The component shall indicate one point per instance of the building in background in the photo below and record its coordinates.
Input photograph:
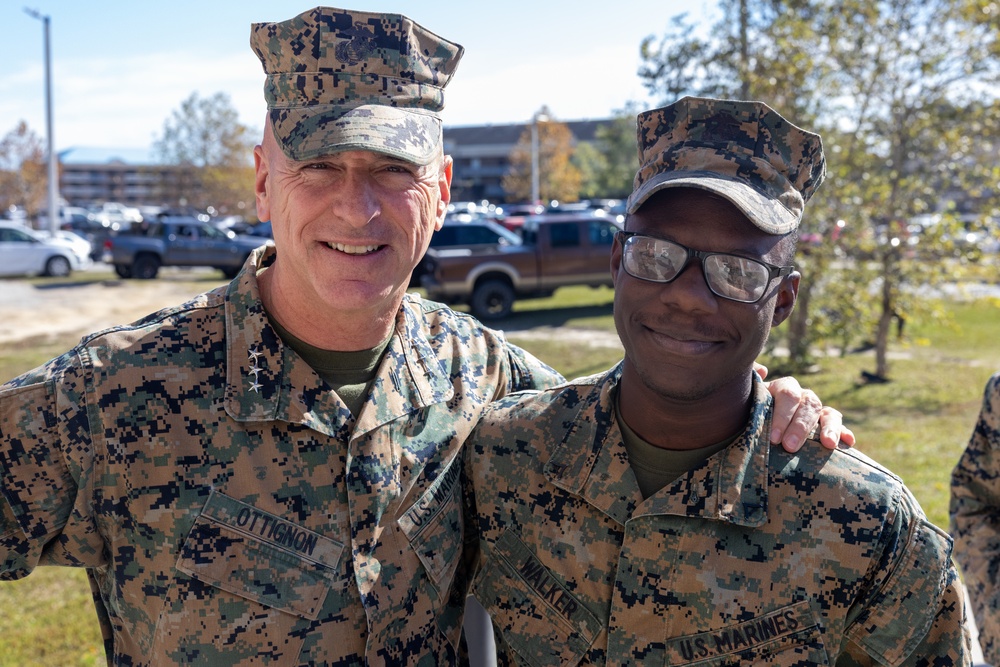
(131, 176)
(481, 154)
(90, 176)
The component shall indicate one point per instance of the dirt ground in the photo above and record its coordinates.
(33, 311)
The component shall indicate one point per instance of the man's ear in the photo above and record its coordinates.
(616, 258)
(444, 186)
(788, 290)
(260, 184)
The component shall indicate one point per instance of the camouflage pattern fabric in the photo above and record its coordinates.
(743, 151)
(756, 557)
(229, 508)
(975, 520)
(348, 80)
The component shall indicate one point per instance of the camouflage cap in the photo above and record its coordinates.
(339, 80)
(743, 151)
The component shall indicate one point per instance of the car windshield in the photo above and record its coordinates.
(208, 231)
(512, 238)
(9, 235)
(459, 230)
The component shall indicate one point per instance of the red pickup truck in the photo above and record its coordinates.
(556, 250)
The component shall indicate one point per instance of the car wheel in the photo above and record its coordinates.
(145, 267)
(58, 267)
(492, 300)
(123, 271)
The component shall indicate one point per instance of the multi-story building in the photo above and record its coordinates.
(88, 176)
(481, 154)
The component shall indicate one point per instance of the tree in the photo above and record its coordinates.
(205, 135)
(894, 86)
(23, 175)
(559, 179)
(608, 164)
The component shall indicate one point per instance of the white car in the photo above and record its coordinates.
(79, 245)
(25, 252)
(115, 216)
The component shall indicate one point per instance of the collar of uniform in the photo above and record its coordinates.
(255, 372)
(591, 461)
(411, 376)
(730, 486)
(266, 380)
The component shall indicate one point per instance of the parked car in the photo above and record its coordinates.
(512, 216)
(67, 215)
(80, 245)
(25, 252)
(464, 230)
(261, 229)
(236, 224)
(118, 216)
(177, 242)
(15, 213)
(94, 231)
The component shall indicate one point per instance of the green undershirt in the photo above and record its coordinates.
(655, 467)
(350, 374)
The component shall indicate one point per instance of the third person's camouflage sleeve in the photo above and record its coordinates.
(975, 519)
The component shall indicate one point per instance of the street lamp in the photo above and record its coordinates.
(53, 173)
(539, 117)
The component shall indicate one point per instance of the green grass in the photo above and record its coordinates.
(20, 357)
(917, 425)
(48, 619)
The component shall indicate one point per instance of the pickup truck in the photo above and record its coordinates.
(556, 250)
(146, 247)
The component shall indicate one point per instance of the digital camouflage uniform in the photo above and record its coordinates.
(228, 507)
(757, 556)
(975, 520)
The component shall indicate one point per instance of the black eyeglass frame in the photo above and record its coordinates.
(773, 271)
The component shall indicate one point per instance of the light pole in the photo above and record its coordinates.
(539, 117)
(53, 172)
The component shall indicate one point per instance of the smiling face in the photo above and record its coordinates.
(683, 344)
(348, 229)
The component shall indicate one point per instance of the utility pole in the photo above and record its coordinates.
(52, 158)
(744, 52)
(539, 117)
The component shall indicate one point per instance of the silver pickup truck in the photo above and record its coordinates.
(176, 242)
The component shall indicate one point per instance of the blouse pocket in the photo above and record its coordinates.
(532, 608)
(434, 527)
(254, 576)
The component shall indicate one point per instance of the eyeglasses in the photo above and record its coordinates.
(729, 276)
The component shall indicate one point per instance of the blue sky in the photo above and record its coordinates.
(120, 67)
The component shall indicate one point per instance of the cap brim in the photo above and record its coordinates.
(767, 214)
(313, 131)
